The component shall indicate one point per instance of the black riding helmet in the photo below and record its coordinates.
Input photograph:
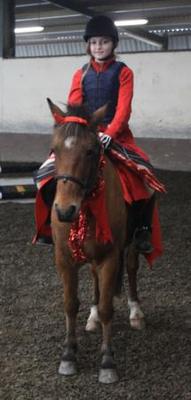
(101, 26)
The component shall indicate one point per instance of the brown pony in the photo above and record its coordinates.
(77, 158)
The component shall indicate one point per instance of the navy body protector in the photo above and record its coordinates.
(101, 88)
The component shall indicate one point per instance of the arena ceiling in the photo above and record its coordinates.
(169, 21)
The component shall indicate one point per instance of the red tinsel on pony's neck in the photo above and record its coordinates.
(97, 207)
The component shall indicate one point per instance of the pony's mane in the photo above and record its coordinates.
(78, 110)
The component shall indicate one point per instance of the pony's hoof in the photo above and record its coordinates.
(107, 375)
(137, 323)
(91, 326)
(67, 368)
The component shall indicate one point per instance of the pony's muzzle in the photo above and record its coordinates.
(67, 215)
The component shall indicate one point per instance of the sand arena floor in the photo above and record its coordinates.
(153, 364)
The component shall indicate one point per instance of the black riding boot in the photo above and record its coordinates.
(143, 211)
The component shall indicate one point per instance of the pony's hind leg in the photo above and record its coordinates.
(93, 319)
(71, 306)
(136, 316)
(107, 284)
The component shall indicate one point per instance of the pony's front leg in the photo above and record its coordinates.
(136, 316)
(107, 284)
(93, 319)
(69, 273)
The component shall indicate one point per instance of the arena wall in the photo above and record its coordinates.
(162, 95)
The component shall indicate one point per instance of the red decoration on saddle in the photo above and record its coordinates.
(141, 171)
(60, 119)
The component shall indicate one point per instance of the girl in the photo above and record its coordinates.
(107, 81)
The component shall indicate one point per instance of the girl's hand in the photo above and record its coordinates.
(105, 140)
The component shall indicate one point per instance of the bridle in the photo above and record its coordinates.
(70, 178)
(86, 186)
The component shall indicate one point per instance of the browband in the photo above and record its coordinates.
(62, 120)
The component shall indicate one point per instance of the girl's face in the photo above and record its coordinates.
(100, 47)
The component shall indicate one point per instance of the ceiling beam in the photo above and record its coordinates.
(74, 6)
(137, 34)
(147, 37)
(142, 6)
(168, 22)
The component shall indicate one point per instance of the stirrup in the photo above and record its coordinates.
(43, 240)
(142, 240)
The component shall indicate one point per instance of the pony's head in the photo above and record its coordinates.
(77, 154)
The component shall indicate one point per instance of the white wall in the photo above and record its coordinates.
(162, 96)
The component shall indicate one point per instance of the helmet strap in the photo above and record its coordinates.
(107, 58)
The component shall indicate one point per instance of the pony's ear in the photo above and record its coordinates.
(98, 116)
(54, 109)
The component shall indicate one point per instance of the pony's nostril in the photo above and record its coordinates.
(67, 215)
(71, 211)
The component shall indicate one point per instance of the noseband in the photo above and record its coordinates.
(66, 178)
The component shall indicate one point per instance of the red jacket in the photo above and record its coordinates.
(118, 128)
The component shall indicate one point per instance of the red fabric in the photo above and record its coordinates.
(63, 120)
(41, 215)
(97, 206)
(132, 185)
(140, 175)
(133, 189)
(79, 229)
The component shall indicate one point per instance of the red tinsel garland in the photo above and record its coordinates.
(77, 237)
(79, 228)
